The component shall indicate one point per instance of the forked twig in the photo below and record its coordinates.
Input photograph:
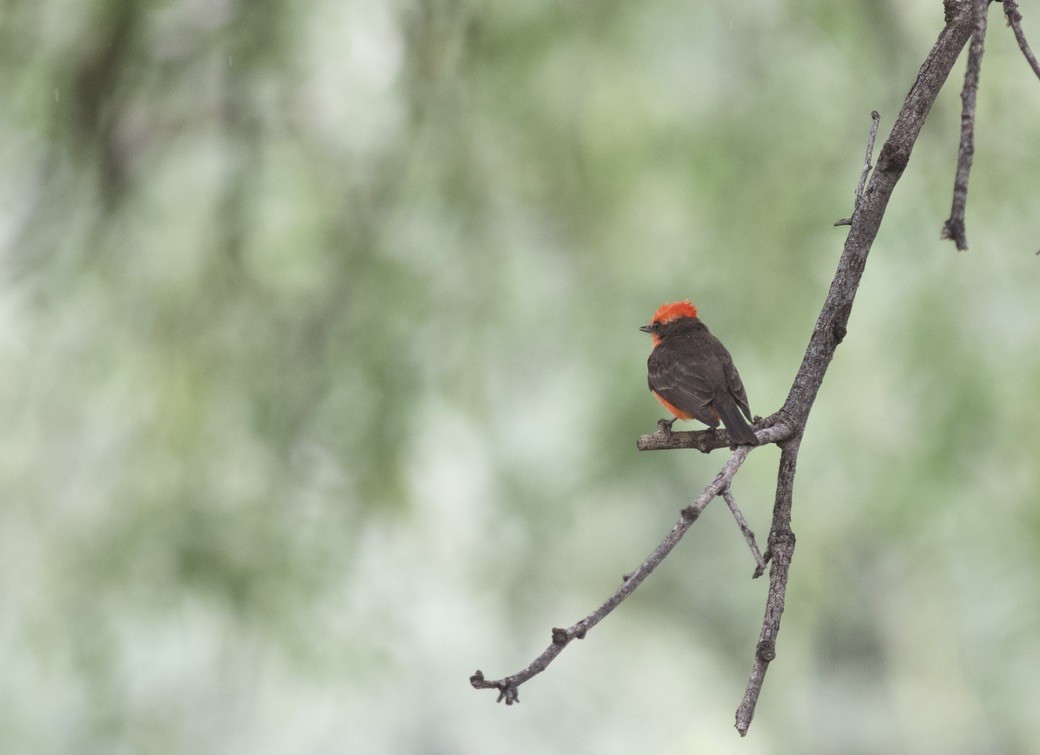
(508, 687)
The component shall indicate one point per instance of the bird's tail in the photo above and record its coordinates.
(739, 430)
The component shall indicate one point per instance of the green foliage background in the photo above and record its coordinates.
(321, 377)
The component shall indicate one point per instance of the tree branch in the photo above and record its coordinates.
(780, 551)
(508, 687)
(831, 325)
(704, 441)
(787, 426)
(953, 228)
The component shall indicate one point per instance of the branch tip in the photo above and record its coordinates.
(1014, 19)
(508, 691)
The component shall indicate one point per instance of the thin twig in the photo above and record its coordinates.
(953, 228)
(875, 119)
(1015, 21)
(738, 515)
(508, 687)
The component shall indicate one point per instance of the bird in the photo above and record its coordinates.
(692, 374)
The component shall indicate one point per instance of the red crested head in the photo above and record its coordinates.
(673, 310)
(666, 313)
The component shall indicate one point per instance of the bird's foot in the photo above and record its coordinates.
(664, 426)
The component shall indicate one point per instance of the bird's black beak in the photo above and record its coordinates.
(645, 328)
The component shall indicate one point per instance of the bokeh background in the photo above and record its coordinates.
(321, 378)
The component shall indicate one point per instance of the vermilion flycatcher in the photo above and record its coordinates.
(691, 373)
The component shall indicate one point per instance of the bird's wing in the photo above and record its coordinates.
(678, 372)
(733, 381)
